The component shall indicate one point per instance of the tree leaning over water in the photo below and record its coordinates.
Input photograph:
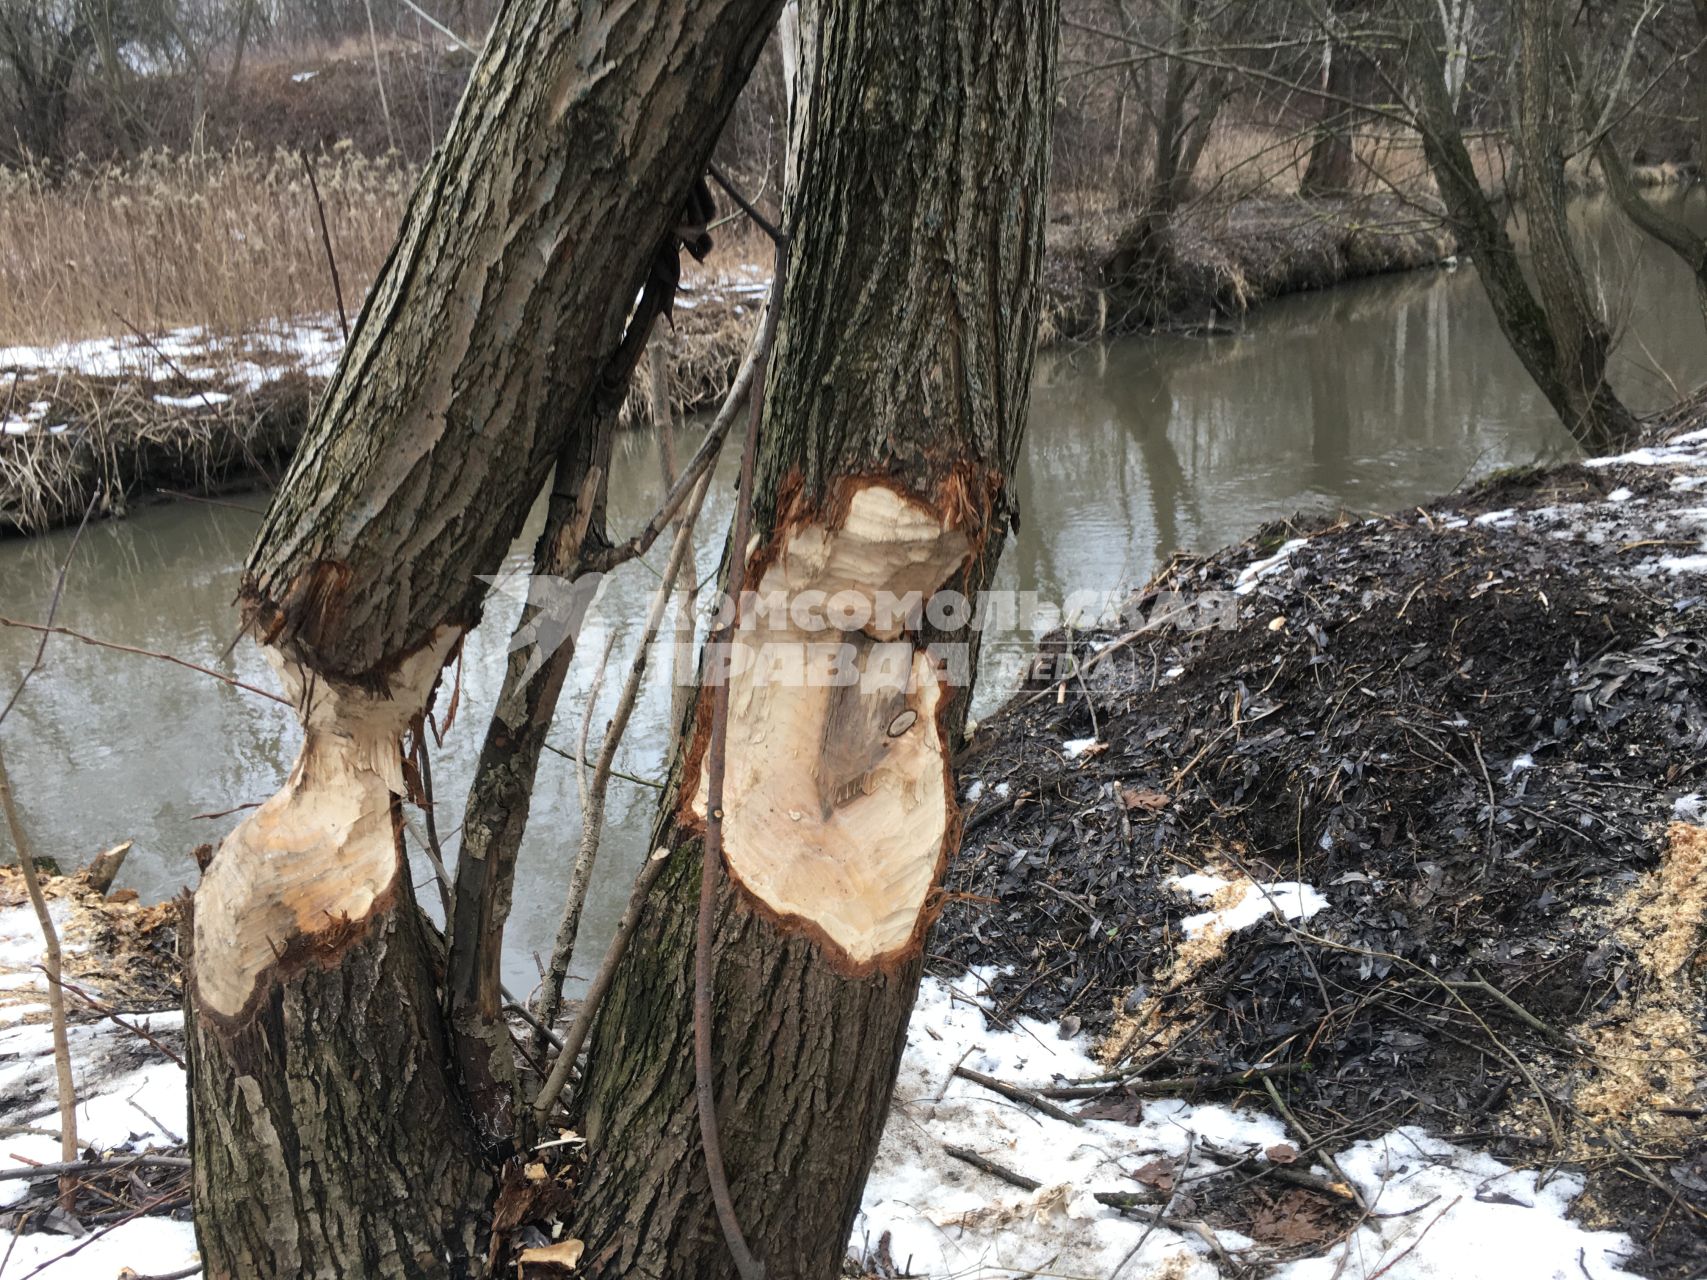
(331, 1134)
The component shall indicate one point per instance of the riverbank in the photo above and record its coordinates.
(1361, 936)
(1412, 825)
(128, 420)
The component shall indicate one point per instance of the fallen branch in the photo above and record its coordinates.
(93, 1166)
(1264, 1168)
(113, 1015)
(990, 1167)
(1172, 1087)
(1321, 1153)
(1016, 1093)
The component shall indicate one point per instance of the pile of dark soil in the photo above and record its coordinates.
(1469, 736)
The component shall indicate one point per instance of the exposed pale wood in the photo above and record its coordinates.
(847, 839)
(901, 371)
(334, 1134)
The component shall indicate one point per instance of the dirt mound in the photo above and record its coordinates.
(1447, 745)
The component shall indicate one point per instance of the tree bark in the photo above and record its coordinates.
(1332, 166)
(1581, 340)
(1651, 220)
(331, 1130)
(1558, 336)
(896, 401)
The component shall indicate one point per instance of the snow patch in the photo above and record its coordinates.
(1293, 899)
(1252, 574)
(1461, 1215)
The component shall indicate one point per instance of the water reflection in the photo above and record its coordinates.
(1367, 398)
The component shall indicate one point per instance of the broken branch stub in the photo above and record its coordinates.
(837, 800)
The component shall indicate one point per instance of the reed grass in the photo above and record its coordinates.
(225, 241)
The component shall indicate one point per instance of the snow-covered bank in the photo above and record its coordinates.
(1434, 1209)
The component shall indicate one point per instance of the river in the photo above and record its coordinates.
(1366, 398)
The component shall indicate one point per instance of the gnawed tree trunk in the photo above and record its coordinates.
(895, 406)
(332, 1135)
(1558, 336)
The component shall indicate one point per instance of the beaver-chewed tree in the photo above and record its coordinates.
(331, 1134)
(894, 411)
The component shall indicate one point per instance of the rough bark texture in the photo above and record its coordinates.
(1558, 336)
(332, 1131)
(1332, 166)
(310, 1122)
(579, 135)
(1581, 340)
(1674, 233)
(903, 360)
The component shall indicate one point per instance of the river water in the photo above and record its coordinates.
(1366, 398)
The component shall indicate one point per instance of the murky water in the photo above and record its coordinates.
(1366, 398)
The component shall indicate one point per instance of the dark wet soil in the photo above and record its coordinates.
(1469, 739)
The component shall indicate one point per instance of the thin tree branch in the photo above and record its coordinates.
(326, 243)
(55, 996)
(711, 864)
(52, 607)
(144, 653)
(576, 1038)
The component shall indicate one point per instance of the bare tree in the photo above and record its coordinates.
(332, 1132)
(808, 820)
(1555, 329)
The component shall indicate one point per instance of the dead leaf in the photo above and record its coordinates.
(1144, 798)
(1297, 1218)
(1116, 1106)
(1158, 1174)
(1281, 1153)
(565, 1254)
(535, 1172)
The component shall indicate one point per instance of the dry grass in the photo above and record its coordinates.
(228, 242)
(124, 447)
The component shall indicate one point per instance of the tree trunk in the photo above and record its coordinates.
(1649, 218)
(331, 1133)
(1332, 166)
(1558, 337)
(897, 397)
(1581, 340)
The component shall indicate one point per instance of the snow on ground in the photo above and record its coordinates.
(146, 1246)
(1437, 1211)
(1676, 534)
(130, 1100)
(1290, 898)
(311, 346)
